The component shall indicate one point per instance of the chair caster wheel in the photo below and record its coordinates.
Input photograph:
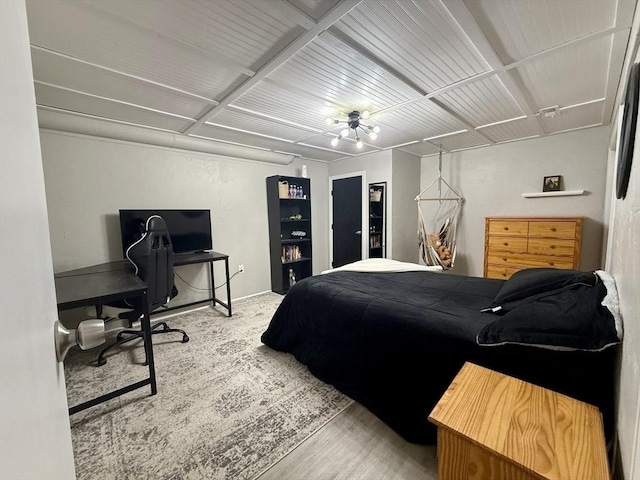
(185, 339)
(102, 361)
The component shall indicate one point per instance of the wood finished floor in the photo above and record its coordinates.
(356, 445)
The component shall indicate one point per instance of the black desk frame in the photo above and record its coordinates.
(94, 286)
(204, 257)
(92, 296)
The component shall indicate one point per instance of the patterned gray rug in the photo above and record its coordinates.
(227, 406)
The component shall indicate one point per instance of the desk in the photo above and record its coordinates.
(205, 257)
(178, 260)
(101, 284)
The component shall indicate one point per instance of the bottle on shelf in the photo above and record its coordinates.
(292, 278)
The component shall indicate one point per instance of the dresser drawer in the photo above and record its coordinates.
(507, 227)
(503, 273)
(552, 229)
(507, 244)
(551, 246)
(524, 260)
(514, 243)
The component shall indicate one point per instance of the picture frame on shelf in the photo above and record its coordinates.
(552, 183)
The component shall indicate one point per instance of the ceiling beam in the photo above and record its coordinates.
(368, 55)
(472, 30)
(228, 62)
(626, 15)
(281, 121)
(340, 35)
(332, 16)
(516, 64)
(448, 111)
(123, 74)
(294, 14)
(113, 100)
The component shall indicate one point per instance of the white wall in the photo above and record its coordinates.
(406, 178)
(377, 166)
(88, 179)
(492, 179)
(624, 265)
(35, 437)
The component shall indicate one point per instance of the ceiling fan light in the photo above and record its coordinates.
(353, 123)
(329, 121)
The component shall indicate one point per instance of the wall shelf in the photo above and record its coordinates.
(560, 193)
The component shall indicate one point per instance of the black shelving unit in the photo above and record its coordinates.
(377, 223)
(287, 215)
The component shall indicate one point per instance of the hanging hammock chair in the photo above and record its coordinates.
(437, 239)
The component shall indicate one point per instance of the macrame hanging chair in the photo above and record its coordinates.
(437, 238)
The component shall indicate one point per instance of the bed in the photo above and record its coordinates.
(394, 340)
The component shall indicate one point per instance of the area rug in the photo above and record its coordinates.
(227, 406)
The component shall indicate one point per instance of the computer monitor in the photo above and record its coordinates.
(190, 230)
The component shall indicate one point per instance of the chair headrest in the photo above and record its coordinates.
(155, 223)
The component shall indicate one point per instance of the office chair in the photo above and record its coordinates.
(152, 257)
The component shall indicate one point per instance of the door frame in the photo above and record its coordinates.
(365, 219)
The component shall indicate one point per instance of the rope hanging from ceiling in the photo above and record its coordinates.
(437, 238)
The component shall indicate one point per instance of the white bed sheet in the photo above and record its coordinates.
(383, 265)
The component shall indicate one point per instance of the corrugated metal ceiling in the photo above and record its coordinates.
(266, 73)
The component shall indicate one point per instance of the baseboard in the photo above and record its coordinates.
(162, 316)
(252, 295)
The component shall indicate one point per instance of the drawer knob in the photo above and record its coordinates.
(504, 259)
(551, 263)
(552, 247)
(504, 274)
(506, 228)
(506, 244)
(553, 229)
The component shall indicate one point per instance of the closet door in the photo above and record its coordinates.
(347, 220)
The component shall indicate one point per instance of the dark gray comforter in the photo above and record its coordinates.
(394, 342)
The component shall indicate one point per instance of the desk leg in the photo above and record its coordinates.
(226, 269)
(148, 345)
(148, 351)
(213, 286)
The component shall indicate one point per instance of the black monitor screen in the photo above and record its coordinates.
(190, 230)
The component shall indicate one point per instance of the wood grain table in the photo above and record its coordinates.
(492, 426)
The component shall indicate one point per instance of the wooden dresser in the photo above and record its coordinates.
(492, 426)
(514, 243)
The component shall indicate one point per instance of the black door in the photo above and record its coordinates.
(347, 220)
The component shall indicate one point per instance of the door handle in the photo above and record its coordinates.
(358, 232)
